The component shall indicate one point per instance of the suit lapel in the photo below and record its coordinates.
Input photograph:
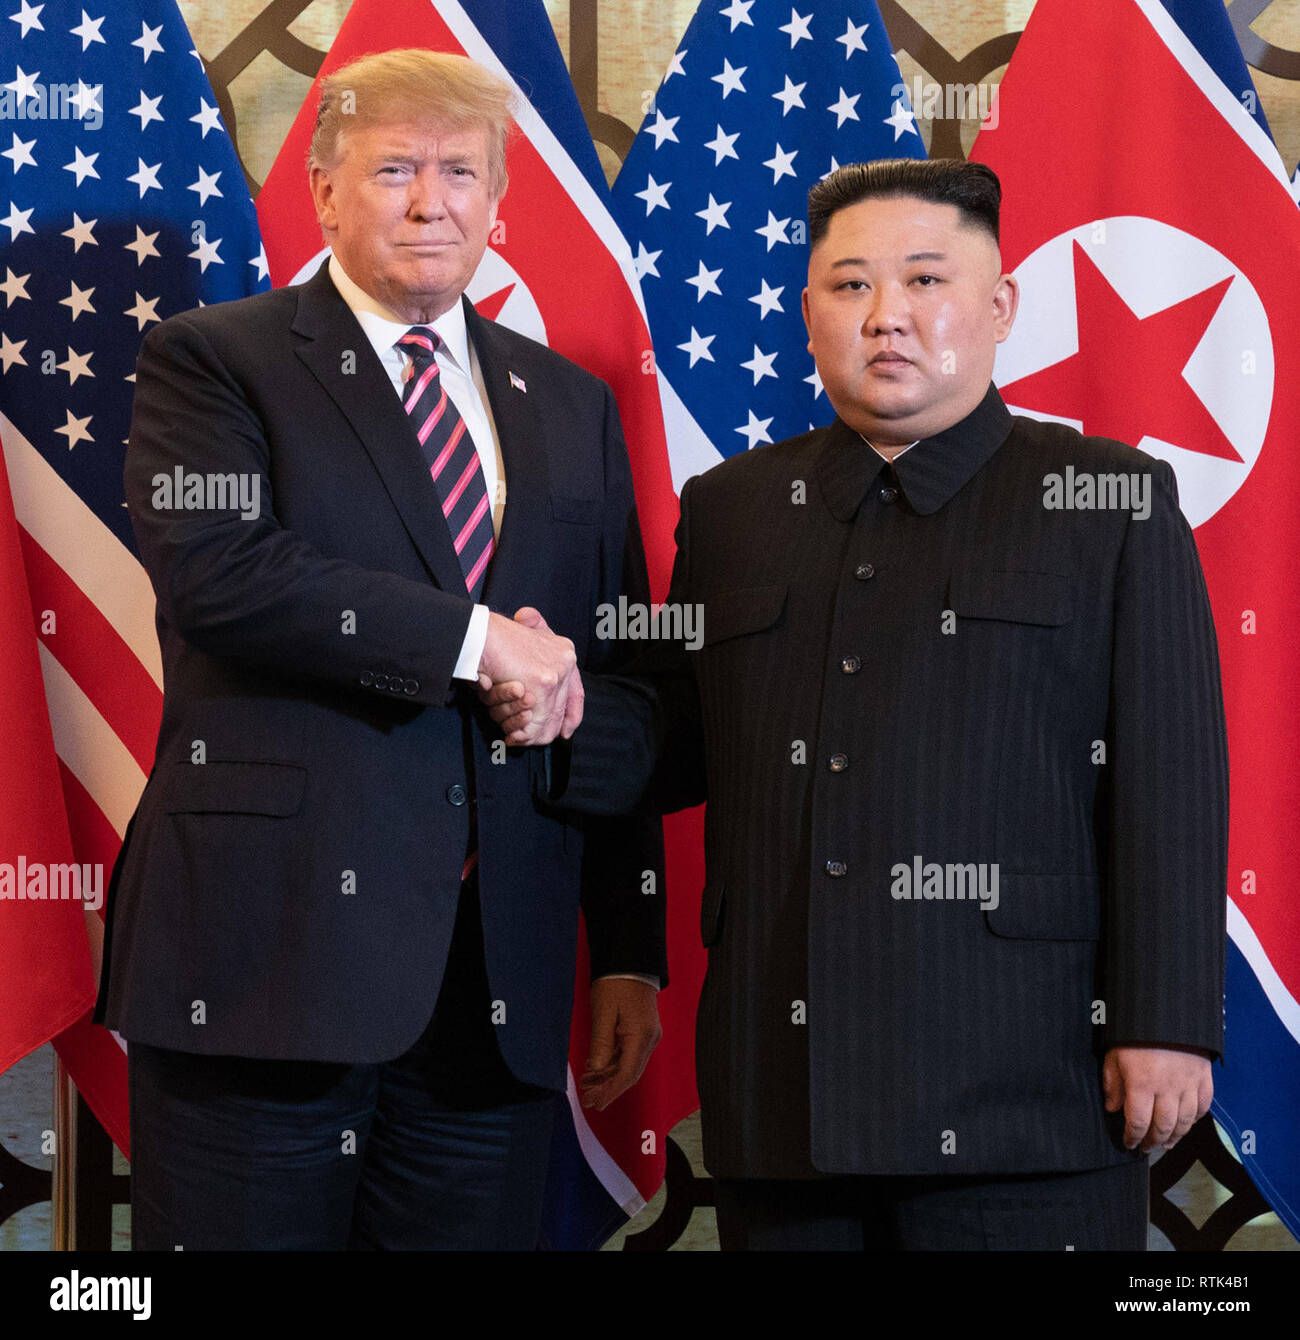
(517, 412)
(359, 386)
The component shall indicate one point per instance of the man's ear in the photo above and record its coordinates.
(322, 194)
(807, 323)
(1006, 302)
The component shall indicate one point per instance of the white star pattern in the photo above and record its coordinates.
(705, 282)
(773, 231)
(148, 41)
(143, 245)
(88, 30)
(755, 431)
(80, 233)
(663, 128)
(147, 109)
(11, 352)
(714, 215)
(24, 85)
(75, 430)
(815, 381)
(780, 163)
(768, 299)
(143, 311)
(78, 301)
(14, 287)
(83, 165)
(797, 28)
(723, 146)
(901, 120)
(852, 38)
(844, 108)
(644, 261)
(29, 17)
(791, 95)
(712, 146)
(654, 194)
(209, 118)
(206, 254)
(206, 186)
(17, 221)
(146, 178)
(761, 366)
(730, 78)
(86, 99)
(698, 346)
(21, 153)
(259, 263)
(76, 365)
(738, 12)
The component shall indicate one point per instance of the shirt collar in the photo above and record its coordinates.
(383, 328)
(929, 473)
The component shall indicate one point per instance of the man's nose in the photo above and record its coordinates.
(886, 311)
(426, 197)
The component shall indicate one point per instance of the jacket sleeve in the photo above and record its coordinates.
(244, 587)
(623, 897)
(641, 742)
(1164, 914)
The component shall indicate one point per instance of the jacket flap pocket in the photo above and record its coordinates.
(583, 510)
(731, 613)
(226, 787)
(1019, 597)
(1046, 907)
(711, 911)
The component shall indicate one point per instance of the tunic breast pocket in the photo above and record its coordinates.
(1042, 598)
(730, 614)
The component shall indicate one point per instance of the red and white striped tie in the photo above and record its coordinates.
(450, 454)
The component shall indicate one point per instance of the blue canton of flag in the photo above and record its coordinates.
(758, 104)
(123, 204)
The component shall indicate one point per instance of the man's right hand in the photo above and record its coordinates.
(529, 679)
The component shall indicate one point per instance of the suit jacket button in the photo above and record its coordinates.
(850, 665)
(839, 762)
(411, 686)
(381, 681)
(836, 869)
(888, 494)
(456, 794)
(367, 679)
(864, 572)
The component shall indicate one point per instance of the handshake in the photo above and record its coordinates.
(528, 678)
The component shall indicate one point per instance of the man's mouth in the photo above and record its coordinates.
(888, 358)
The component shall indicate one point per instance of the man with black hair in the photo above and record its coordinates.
(965, 762)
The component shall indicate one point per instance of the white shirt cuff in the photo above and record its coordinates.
(631, 977)
(471, 650)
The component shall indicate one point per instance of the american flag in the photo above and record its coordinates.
(759, 102)
(121, 203)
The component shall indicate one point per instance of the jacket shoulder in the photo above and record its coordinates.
(1064, 445)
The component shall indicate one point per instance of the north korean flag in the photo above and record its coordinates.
(1148, 217)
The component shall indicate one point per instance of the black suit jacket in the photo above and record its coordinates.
(933, 665)
(288, 885)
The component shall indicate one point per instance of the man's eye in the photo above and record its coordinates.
(854, 285)
(928, 280)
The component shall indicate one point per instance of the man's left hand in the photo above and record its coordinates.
(1163, 1091)
(624, 1031)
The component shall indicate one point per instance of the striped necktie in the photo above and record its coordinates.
(450, 454)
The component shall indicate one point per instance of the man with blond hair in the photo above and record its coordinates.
(341, 935)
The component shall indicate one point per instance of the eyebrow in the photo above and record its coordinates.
(911, 256)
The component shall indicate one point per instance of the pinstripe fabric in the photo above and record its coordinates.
(940, 1037)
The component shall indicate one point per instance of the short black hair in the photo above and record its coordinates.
(972, 187)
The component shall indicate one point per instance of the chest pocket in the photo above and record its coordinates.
(1043, 598)
(730, 614)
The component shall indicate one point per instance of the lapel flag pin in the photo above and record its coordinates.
(518, 383)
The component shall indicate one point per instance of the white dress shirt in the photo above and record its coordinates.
(462, 378)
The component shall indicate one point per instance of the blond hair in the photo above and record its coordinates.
(413, 84)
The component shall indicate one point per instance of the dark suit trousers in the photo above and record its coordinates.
(440, 1148)
(1100, 1210)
